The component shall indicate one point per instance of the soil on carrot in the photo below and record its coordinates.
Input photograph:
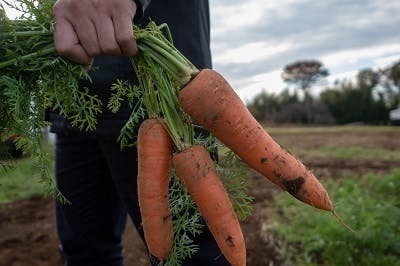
(27, 228)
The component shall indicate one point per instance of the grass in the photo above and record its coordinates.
(328, 129)
(348, 153)
(355, 152)
(370, 205)
(21, 179)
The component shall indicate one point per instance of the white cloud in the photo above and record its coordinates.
(349, 75)
(382, 62)
(236, 15)
(270, 82)
(377, 14)
(250, 52)
(354, 56)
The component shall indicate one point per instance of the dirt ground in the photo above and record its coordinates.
(27, 229)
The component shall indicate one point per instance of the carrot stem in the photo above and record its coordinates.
(27, 57)
(26, 34)
(171, 69)
(172, 60)
(164, 26)
(159, 98)
(162, 49)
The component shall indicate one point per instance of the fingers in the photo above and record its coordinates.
(67, 43)
(88, 28)
(87, 35)
(124, 35)
(106, 36)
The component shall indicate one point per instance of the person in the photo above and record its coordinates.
(92, 172)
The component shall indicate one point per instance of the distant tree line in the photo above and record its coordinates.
(368, 99)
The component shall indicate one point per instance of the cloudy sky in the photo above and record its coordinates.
(253, 40)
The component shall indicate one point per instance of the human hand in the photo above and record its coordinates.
(86, 28)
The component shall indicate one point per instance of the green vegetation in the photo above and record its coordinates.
(21, 178)
(370, 205)
(355, 152)
(19, 182)
(328, 129)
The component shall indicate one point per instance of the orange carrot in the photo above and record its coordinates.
(213, 104)
(154, 159)
(196, 169)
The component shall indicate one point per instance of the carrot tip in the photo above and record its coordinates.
(342, 222)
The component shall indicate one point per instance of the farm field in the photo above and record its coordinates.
(351, 156)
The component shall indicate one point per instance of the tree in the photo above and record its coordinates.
(358, 101)
(303, 75)
(368, 78)
(391, 83)
(394, 73)
(264, 106)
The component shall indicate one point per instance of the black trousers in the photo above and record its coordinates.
(100, 182)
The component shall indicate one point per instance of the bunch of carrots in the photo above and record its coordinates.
(210, 102)
(177, 96)
(166, 140)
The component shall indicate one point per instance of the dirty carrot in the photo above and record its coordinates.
(196, 169)
(154, 159)
(213, 104)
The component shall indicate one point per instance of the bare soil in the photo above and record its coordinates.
(27, 228)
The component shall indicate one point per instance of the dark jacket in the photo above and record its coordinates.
(189, 23)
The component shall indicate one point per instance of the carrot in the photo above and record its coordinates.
(154, 159)
(213, 104)
(196, 169)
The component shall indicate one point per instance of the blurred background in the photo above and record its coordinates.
(331, 62)
(324, 79)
